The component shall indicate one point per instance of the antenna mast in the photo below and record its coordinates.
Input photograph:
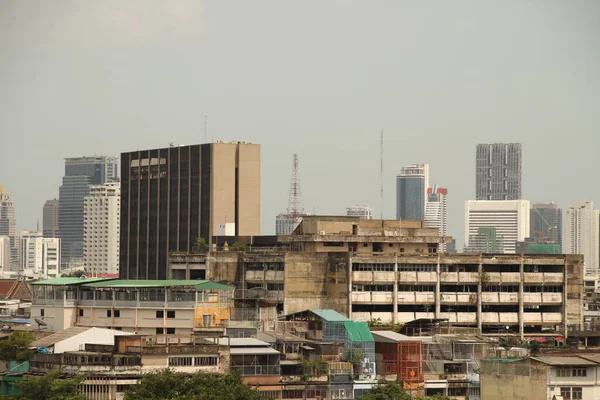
(381, 174)
(294, 207)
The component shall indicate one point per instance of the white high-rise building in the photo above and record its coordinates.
(101, 211)
(4, 255)
(496, 225)
(363, 212)
(40, 256)
(436, 212)
(582, 235)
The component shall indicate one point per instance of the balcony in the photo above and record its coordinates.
(543, 277)
(372, 297)
(454, 298)
(496, 297)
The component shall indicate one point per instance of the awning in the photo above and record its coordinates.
(252, 350)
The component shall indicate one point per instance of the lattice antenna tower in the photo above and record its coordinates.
(381, 174)
(294, 207)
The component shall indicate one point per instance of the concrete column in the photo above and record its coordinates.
(395, 293)
(438, 294)
(564, 302)
(479, 316)
(350, 287)
(521, 306)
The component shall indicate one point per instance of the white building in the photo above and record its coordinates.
(363, 212)
(436, 212)
(4, 255)
(582, 235)
(501, 222)
(101, 211)
(40, 256)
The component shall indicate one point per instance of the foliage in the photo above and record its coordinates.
(534, 346)
(310, 368)
(375, 322)
(509, 342)
(394, 391)
(15, 348)
(74, 274)
(397, 327)
(484, 278)
(50, 387)
(200, 245)
(356, 356)
(239, 247)
(169, 385)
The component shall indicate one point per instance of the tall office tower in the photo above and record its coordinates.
(80, 173)
(436, 213)
(8, 226)
(101, 210)
(40, 256)
(50, 219)
(172, 196)
(363, 212)
(411, 192)
(546, 224)
(582, 235)
(495, 226)
(285, 223)
(4, 256)
(498, 171)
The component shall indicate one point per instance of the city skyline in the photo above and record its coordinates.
(529, 93)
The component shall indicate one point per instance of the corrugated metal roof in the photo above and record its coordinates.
(69, 281)
(240, 342)
(252, 350)
(123, 283)
(60, 336)
(330, 315)
(567, 360)
(591, 357)
(393, 337)
(358, 331)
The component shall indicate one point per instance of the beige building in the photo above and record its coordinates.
(391, 271)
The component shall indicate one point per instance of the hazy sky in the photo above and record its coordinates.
(320, 78)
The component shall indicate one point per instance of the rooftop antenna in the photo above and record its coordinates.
(294, 207)
(381, 174)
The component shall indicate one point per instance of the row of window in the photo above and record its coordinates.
(193, 361)
(117, 313)
(568, 372)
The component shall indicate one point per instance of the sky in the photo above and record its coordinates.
(317, 78)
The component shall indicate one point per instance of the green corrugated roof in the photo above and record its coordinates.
(70, 281)
(123, 283)
(330, 315)
(358, 331)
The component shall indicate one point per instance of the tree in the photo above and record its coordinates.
(201, 245)
(389, 391)
(51, 387)
(239, 247)
(15, 348)
(169, 385)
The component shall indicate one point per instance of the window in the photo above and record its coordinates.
(80, 312)
(569, 372)
(202, 361)
(571, 393)
(274, 286)
(118, 328)
(160, 314)
(180, 361)
(170, 331)
(579, 371)
(117, 313)
(160, 331)
(41, 312)
(170, 314)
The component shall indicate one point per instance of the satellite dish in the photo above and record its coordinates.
(40, 322)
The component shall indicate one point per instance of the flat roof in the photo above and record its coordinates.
(252, 350)
(132, 283)
(566, 360)
(393, 337)
(69, 281)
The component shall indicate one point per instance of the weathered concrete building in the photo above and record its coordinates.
(391, 271)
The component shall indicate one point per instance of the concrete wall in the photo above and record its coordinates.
(575, 290)
(518, 380)
(56, 318)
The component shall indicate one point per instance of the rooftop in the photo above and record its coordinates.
(67, 281)
(121, 283)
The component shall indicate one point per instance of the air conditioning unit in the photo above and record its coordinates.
(321, 232)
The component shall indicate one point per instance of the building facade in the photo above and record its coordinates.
(101, 211)
(285, 223)
(5, 255)
(546, 224)
(362, 212)
(411, 192)
(40, 256)
(498, 171)
(8, 226)
(499, 224)
(436, 212)
(582, 235)
(50, 218)
(80, 173)
(172, 196)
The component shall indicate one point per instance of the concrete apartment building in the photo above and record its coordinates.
(495, 226)
(366, 269)
(561, 376)
(498, 171)
(172, 196)
(411, 192)
(165, 307)
(101, 229)
(582, 235)
(40, 257)
(50, 214)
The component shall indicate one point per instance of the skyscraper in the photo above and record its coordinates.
(80, 173)
(172, 196)
(363, 212)
(496, 226)
(582, 235)
(436, 212)
(411, 192)
(40, 256)
(8, 226)
(101, 210)
(546, 224)
(498, 171)
(50, 218)
(4, 256)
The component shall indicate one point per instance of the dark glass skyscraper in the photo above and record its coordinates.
(546, 224)
(498, 171)
(411, 192)
(80, 173)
